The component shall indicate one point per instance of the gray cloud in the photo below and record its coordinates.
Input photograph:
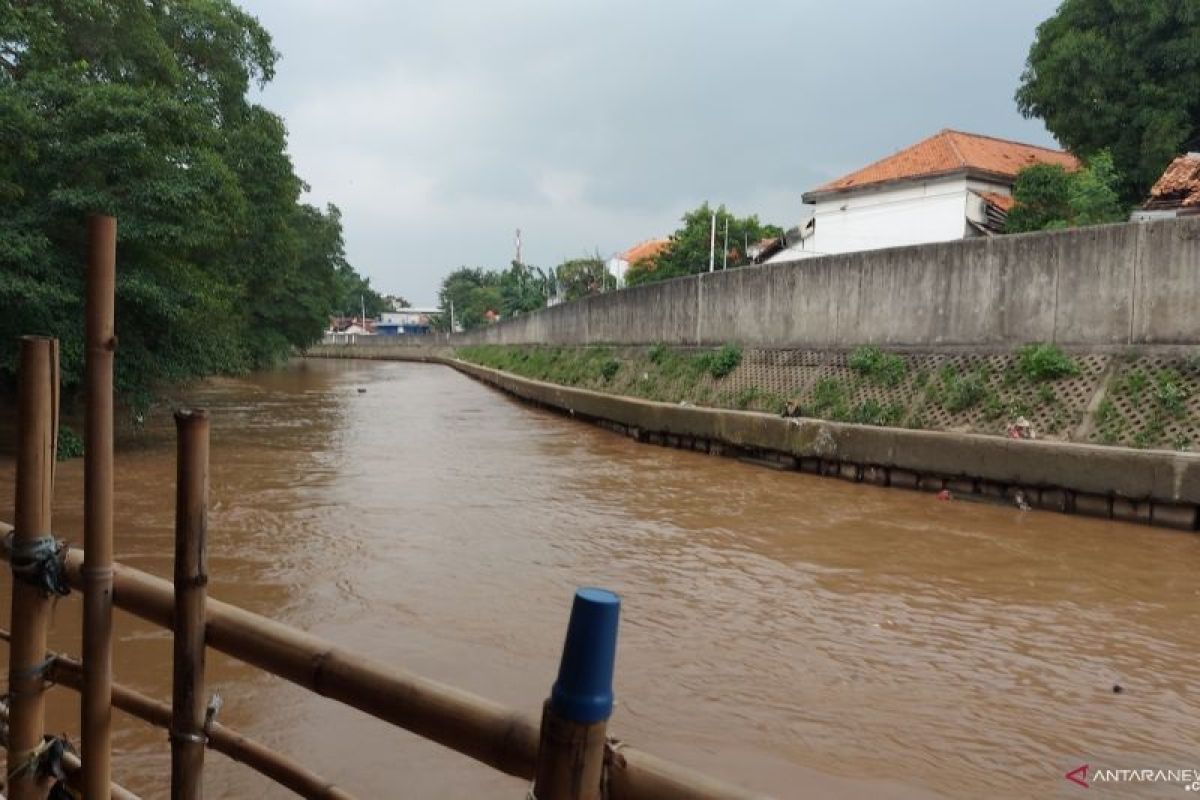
(438, 128)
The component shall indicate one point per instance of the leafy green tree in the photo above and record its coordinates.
(579, 277)
(1050, 197)
(1120, 75)
(471, 293)
(140, 109)
(523, 288)
(688, 251)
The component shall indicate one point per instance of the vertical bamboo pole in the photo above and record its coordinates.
(37, 432)
(188, 738)
(96, 703)
(570, 762)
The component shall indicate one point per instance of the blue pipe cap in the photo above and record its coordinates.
(583, 692)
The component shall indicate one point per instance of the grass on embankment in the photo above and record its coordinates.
(1144, 406)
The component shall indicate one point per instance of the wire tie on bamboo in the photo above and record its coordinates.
(210, 714)
(45, 760)
(181, 736)
(36, 671)
(39, 563)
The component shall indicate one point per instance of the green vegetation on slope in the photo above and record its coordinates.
(1037, 389)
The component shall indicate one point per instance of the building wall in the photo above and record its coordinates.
(1112, 285)
(933, 211)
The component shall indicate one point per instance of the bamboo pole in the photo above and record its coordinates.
(279, 768)
(504, 740)
(191, 580)
(71, 764)
(95, 706)
(570, 761)
(37, 433)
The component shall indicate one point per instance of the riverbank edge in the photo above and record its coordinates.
(1157, 488)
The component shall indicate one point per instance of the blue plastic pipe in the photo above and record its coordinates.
(583, 692)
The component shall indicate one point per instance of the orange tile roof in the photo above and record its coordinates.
(1001, 201)
(948, 152)
(1179, 184)
(646, 250)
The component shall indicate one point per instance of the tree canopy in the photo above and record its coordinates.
(140, 110)
(688, 251)
(1120, 75)
(1049, 197)
(474, 291)
(579, 277)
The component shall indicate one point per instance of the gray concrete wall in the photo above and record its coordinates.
(1112, 285)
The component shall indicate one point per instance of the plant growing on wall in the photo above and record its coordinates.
(1045, 362)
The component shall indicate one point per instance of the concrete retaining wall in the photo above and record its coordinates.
(1112, 285)
(1153, 487)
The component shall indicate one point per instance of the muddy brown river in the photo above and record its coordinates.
(799, 635)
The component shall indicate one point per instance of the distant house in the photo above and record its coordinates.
(406, 322)
(620, 263)
(1176, 193)
(355, 325)
(491, 316)
(952, 185)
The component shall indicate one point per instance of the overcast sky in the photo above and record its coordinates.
(440, 127)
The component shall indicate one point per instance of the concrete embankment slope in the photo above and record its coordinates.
(1155, 487)
(1108, 286)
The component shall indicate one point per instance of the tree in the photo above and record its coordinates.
(523, 288)
(471, 293)
(688, 251)
(1049, 197)
(579, 277)
(140, 110)
(1119, 75)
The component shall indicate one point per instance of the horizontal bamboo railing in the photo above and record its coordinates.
(279, 768)
(488, 732)
(71, 765)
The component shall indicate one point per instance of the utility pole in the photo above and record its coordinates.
(725, 255)
(453, 327)
(518, 245)
(712, 242)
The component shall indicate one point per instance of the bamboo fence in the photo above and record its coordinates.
(570, 756)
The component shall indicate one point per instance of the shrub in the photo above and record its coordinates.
(658, 353)
(872, 412)
(960, 392)
(720, 362)
(1135, 384)
(609, 369)
(1045, 362)
(878, 366)
(1170, 392)
(751, 395)
(829, 399)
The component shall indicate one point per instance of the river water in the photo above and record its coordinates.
(802, 636)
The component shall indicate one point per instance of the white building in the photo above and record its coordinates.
(952, 185)
(620, 263)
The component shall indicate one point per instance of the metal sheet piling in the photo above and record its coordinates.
(95, 706)
(188, 735)
(37, 434)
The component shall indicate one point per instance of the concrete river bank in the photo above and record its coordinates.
(801, 636)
